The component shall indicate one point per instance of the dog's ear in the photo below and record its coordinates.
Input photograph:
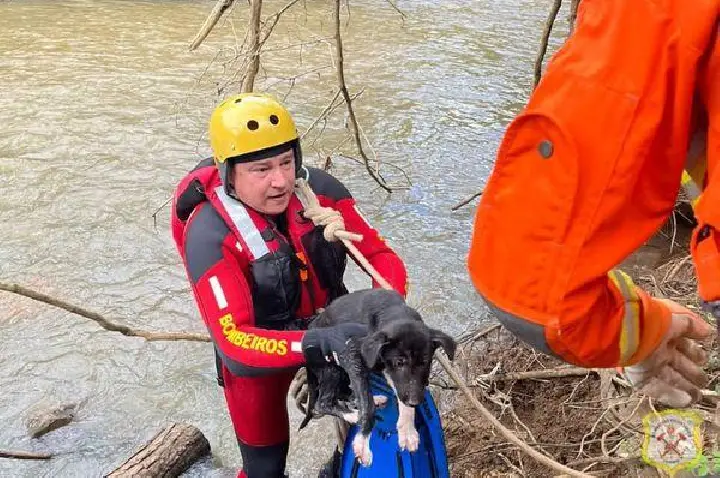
(441, 339)
(372, 347)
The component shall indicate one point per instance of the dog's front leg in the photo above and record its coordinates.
(359, 382)
(408, 438)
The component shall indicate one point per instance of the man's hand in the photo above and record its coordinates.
(326, 344)
(673, 373)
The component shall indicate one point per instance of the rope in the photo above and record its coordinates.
(309, 200)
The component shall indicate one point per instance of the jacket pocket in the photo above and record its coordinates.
(553, 165)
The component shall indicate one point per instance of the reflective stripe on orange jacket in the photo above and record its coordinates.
(590, 170)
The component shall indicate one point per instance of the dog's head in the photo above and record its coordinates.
(403, 350)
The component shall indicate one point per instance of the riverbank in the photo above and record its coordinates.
(588, 420)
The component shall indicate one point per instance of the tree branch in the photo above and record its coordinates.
(102, 321)
(220, 7)
(466, 201)
(348, 100)
(254, 29)
(545, 40)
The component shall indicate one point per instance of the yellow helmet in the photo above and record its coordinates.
(248, 127)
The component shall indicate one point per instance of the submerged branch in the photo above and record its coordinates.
(102, 321)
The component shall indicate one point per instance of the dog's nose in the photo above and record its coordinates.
(411, 402)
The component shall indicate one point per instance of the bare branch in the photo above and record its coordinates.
(395, 7)
(545, 40)
(220, 7)
(154, 215)
(102, 321)
(348, 100)
(254, 29)
(560, 372)
(395, 166)
(274, 19)
(324, 114)
(466, 201)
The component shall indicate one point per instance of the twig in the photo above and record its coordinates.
(511, 464)
(618, 425)
(545, 40)
(348, 100)
(102, 321)
(490, 376)
(274, 20)
(592, 430)
(475, 336)
(466, 201)
(154, 215)
(395, 7)
(560, 372)
(220, 7)
(323, 115)
(674, 234)
(24, 455)
(395, 166)
(606, 460)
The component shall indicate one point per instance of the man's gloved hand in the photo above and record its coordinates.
(673, 373)
(326, 344)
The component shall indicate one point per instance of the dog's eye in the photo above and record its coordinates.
(401, 362)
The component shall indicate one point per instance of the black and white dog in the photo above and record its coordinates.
(399, 345)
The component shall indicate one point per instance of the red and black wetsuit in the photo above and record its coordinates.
(256, 281)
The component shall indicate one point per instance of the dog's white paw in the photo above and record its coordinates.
(351, 417)
(380, 400)
(361, 448)
(408, 438)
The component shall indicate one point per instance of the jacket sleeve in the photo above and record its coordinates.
(585, 175)
(223, 297)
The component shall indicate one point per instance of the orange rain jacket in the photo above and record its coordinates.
(590, 170)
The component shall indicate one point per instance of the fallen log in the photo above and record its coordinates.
(169, 454)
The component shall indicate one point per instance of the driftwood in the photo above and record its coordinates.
(170, 453)
(102, 321)
(24, 455)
